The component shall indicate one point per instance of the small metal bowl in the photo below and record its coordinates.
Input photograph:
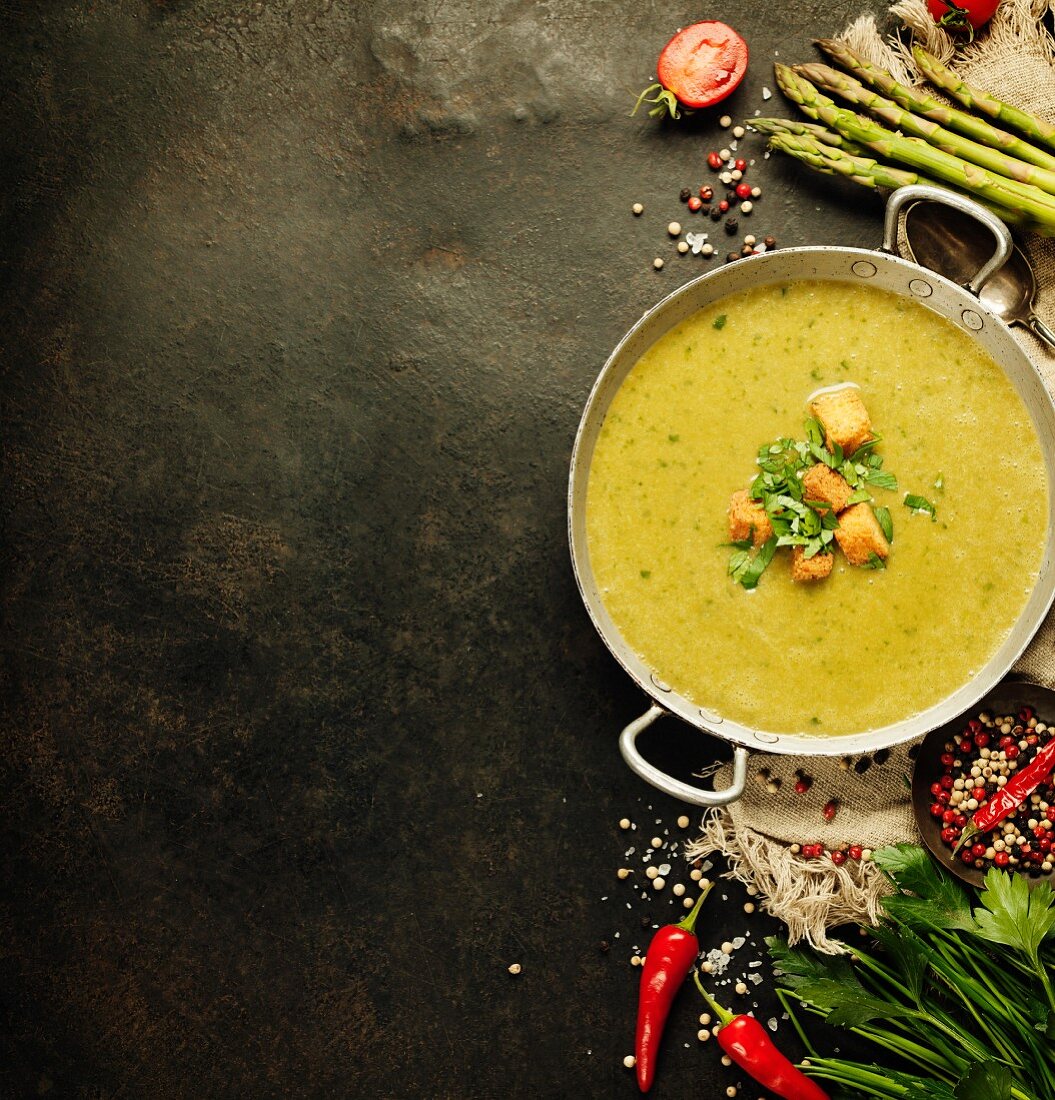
(1008, 697)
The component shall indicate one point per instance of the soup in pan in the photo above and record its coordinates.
(944, 482)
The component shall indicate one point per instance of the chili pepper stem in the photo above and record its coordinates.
(722, 1013)
(967, 835)
(689, 923)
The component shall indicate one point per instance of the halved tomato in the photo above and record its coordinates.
(702, 64)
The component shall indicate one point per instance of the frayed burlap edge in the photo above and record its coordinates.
(809, 896)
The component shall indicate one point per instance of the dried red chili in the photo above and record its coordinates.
(1008, 799)
(746, 1041)
(668, 961)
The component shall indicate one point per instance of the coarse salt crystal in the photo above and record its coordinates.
(771, 1023)
(664, 869)
(766, 93)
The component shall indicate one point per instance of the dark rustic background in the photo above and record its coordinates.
(306, 735)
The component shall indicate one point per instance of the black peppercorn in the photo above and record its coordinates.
(685, 195)
(731, 226)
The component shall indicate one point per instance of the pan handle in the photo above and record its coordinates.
(920, 192)
(675, 787)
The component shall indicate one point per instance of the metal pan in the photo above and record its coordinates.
(885, 269)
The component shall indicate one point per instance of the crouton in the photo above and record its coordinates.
(844, 418)
(810, 569)
(859, 535)
(748, 519)
(820, 482)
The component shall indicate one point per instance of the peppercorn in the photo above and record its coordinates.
(694, 203)
(731, 225)
(706, 193)
(743, 191)
(830, 809)
(732, 256)
(770, 242)
(838, 858)
(716, 213)
(863, 765)
(740, 164)
(685, 194)
(723, 206)
(714, 161)
(855, 851)
(746, 251)
(705, 209)
(746, 206)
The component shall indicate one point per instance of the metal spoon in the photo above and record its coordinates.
(956, 246)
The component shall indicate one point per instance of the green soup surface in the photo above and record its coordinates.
(864, 648)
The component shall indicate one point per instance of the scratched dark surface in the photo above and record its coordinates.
(306, 736)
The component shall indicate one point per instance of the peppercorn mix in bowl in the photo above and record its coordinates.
(983, 789)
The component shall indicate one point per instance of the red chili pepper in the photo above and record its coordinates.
(748, 1043)
(1011, 795)
(668, 961)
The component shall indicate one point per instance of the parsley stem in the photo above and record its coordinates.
(785, 1000)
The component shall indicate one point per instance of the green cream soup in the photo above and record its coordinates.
(863, 648)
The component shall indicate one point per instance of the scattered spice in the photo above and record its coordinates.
(674, 229)
(637, 209)
(514, 969)
(1000, 771)
(657, 263)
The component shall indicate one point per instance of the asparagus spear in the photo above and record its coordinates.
(886, 110)
(867, 171)
(1031, 201)
(1036, 129)
(919, 102)
(803, 129)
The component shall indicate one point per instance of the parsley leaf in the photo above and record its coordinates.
(1015, 915)
(874, 561)
(754, 569)
(928, 899)
(985, 1081)
(883, 515)
(920, 504)
(719, 321)
(858, 497)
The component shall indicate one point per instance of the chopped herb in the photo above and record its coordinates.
(719, 321)
(673, 438)
(880, 479)
(646, 573)
(883, 515)
(866, 447)
(874, 562)
(858, 497)
(747, 570)
(921, 504)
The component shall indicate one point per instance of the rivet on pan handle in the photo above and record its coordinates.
(921, 192)
(675, 787)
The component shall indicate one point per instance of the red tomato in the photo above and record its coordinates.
(702, 64)
(962, 14)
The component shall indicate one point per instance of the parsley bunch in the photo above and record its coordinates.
(958, 998)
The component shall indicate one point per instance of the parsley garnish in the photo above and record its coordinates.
(719, 321)
(883, 515)
(920, 504)
(874, 562)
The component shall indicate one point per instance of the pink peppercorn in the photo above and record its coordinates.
(694, 204)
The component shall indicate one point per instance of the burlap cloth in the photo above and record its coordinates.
(1014, 58)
